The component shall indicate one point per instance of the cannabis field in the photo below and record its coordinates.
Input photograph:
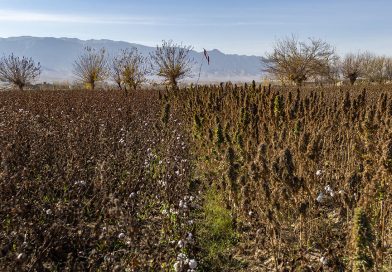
(214, 178)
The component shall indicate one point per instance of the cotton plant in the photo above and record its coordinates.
(328, 192)
(184, 262)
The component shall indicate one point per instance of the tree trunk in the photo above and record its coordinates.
(352, 80)
(119, 86)
(298, 83)
(173, 83)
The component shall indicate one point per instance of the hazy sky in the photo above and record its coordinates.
(241, 26)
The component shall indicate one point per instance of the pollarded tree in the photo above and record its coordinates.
(172, 62)
(298, 61)
(130, 69)
(18, 71)
(352, 67)
(91, 67)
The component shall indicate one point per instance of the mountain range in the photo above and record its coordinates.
(57, 56)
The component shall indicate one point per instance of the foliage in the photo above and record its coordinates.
(216, 234)
(239, 177)
(90, 182)
(293, 166)
(362, 241)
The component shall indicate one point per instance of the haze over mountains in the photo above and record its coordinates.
(57, 55)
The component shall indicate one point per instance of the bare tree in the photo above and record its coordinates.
(373, 67)
(172, 62)
(130, 69)
(18, 71)
(329, 73)
(388, 69)
(116, 71)
(298, 61)
(91, 67)
(352, 67)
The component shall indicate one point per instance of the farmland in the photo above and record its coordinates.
(214, 178)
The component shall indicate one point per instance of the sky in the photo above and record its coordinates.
(248, 27)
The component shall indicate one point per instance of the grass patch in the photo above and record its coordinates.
(216, 234)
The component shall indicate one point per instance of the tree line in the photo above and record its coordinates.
(298, 61)
(129, 69)
(290, 60)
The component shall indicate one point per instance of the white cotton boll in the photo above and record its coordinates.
(192, 264)
(20, 256)
(48, 212)
(181, 257)
(132, 195)
(183, 205)
(177, 266)
(80, 182)
(323, 260)
(250, 213)
(121, 235)
(320, 197)
(181, 244)
(329, 190)
(189, 238)
(318, 173)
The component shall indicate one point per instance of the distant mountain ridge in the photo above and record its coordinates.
(57, 55)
